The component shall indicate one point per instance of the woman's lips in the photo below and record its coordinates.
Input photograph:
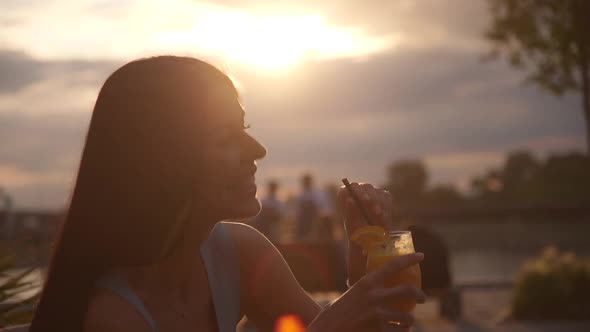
(250, 189)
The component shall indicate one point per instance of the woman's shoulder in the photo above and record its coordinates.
(246, 237)
(239, 228)
(250, 245)
(107, 311)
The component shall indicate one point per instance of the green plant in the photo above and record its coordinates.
(17, 292)
(554, 286)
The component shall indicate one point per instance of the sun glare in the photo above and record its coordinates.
(289, 323)
(270, 42)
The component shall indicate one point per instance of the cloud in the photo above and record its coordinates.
(434, 94)
(423, 22)
(18, 71)
(9, 22)
(42, 142)
(335, 117)
(403, 80)
(131, 28)
(44, 86)
(44, 112)
(355, 117)
(39, 155)
(111, 9)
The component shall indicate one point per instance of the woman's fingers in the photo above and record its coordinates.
(387, 315)
(380, 316)
(384, 295)
(391, 268)
(353, 216)
(373, 203)
(395, 327)
(387, 205)
(369, 197)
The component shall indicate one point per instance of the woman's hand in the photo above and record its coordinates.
(376, 201)
(366, 304)
(379, 206)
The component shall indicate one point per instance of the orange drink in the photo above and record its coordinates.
(394, 245)
(382, 247)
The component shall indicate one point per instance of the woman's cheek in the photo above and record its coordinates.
(225, 173)
(233, 158)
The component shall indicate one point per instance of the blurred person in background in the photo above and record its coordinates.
(271, 213)
(143, 247)
(313, 207)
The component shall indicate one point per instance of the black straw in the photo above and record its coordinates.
(357, 201)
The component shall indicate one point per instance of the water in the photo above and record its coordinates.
(471, 266)
(495, 251)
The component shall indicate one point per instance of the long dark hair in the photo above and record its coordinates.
(135, 178)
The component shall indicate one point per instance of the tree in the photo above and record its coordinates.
(444, 196)
(566, 178)
(488, 188)
(407, 182)
(551, 39)
(520, 170)
(523, 179)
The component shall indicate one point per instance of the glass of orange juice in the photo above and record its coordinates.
(395, 244)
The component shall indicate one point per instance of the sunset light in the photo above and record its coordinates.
(270, 42)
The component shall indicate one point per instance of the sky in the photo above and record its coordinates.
(338, 88)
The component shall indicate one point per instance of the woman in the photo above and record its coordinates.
(166, 158)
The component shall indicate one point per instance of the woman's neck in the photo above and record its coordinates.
(176, 274)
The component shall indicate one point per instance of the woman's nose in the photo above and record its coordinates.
(254, 149)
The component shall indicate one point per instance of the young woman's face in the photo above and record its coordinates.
(228, 188)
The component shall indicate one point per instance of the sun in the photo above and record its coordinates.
(270, 42)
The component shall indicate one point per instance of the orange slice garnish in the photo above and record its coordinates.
(368, 236)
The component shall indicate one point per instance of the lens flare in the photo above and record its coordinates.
(289, 323)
